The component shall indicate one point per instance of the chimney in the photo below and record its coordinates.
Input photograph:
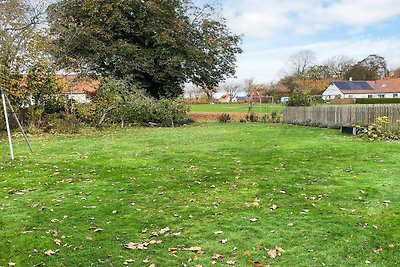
(350, 79)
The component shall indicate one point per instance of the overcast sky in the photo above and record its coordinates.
(275, 29)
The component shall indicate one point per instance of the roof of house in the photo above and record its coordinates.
(77, 84)
(387, 85)
(225, 96)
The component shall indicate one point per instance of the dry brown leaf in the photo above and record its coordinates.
(192, 249)
(138, 246)
(246, 253)
(57, 241)
(378, 251)
(218, 232)
(164, 230)
(273, 207)
(11, 263)
(155, 242)
(144, 231)
(146, 260)
(231, 262)
(128, 261)
(50, 252)
(253, 219)
(217, 256)
(272, 253)
(258, 264)
(98, 230)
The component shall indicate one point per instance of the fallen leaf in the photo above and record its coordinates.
(258, 264)
(128, 261)
(11, 263)
(231, 262)
(146, 260)
(155, 242)
(144, 231)
(57, 241)
(164, 230)
(224, 241)
(138, 246)
(217, 256)
(218, 232)
(378, 251)
(98, 230)
(50, 252)
(246, 253)
(253, 219)
(272, 253)
(192, 249)
(273, 207)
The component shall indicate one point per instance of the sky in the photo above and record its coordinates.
(273, 30)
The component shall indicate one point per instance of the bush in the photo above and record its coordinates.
(377, 100)
(380, 130)
(299, 98)
(251, 117)
(224, 117)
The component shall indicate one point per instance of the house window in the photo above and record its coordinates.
(369, 96)
(395, 95)
(381, 96)
(350, 96)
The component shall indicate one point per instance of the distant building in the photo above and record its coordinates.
(384, 88)
(79, 89)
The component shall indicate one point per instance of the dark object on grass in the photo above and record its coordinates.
(348, 130)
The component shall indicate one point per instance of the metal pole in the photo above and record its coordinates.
(7, 124)
(19, 124)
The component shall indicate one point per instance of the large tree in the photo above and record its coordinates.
(156, 45)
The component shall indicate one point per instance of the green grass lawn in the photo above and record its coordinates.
(241, 108)
(234, 190)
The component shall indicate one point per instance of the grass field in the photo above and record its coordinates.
(241, 108)
(233, 194)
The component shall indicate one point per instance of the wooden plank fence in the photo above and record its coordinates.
(339, 115)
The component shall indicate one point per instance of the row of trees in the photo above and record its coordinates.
(302, 65)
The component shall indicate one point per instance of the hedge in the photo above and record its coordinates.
(377, 100)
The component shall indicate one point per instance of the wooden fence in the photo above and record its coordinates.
(338, 115)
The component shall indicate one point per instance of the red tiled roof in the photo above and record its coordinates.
(388, 85)
(77, 84)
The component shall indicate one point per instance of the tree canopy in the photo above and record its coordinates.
(155, 45)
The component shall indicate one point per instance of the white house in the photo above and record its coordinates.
(385, 88)
(78, 88)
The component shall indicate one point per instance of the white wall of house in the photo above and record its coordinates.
(381, 95)
(78, 97)
(331, 92)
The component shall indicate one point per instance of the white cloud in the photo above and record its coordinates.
(261, 19)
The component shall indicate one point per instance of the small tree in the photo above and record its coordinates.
(299, 98)
(232, 89)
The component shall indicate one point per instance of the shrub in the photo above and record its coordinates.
(252, 117)
(224, 117)
(380, 130)
(377, 100)
(299, 98)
